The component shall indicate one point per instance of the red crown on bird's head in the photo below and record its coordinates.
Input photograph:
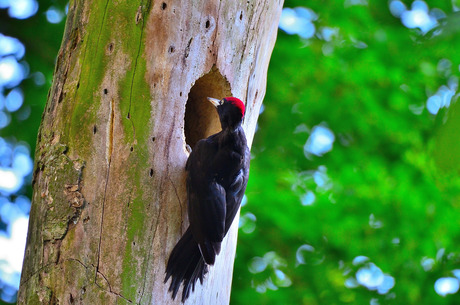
(236, 102)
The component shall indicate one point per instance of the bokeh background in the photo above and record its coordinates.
(354, 191)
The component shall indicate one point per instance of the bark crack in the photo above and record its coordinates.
(119, 295)
(78, 261)
(106, 280)
(138, 19)
(35, 272)
(109, 153)
(109, 160)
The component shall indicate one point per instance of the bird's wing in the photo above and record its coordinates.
(206, 200)
(236, 191)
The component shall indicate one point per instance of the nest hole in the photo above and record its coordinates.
(201, 119)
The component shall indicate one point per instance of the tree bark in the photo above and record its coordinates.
(128, 95)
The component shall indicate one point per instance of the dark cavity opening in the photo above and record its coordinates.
(207, 24)
(163, 6)
(201, 119)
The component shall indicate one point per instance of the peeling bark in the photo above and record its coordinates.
(109, 199)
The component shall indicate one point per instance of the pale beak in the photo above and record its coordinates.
(215, 101)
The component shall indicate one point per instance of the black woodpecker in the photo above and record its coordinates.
(217, 175)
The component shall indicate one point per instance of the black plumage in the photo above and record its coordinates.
(217, 175)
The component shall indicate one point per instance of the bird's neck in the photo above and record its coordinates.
(232, 130)
(232, 135)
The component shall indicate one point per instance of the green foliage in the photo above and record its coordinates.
(41, 40)
(387, 199)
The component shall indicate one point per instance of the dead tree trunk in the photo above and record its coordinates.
(128, 94)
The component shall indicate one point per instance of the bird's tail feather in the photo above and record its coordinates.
(185, 265)
(209, 251)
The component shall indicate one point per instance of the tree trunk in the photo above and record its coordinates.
(128, 95)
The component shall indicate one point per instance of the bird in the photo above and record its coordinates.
(217, 174)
